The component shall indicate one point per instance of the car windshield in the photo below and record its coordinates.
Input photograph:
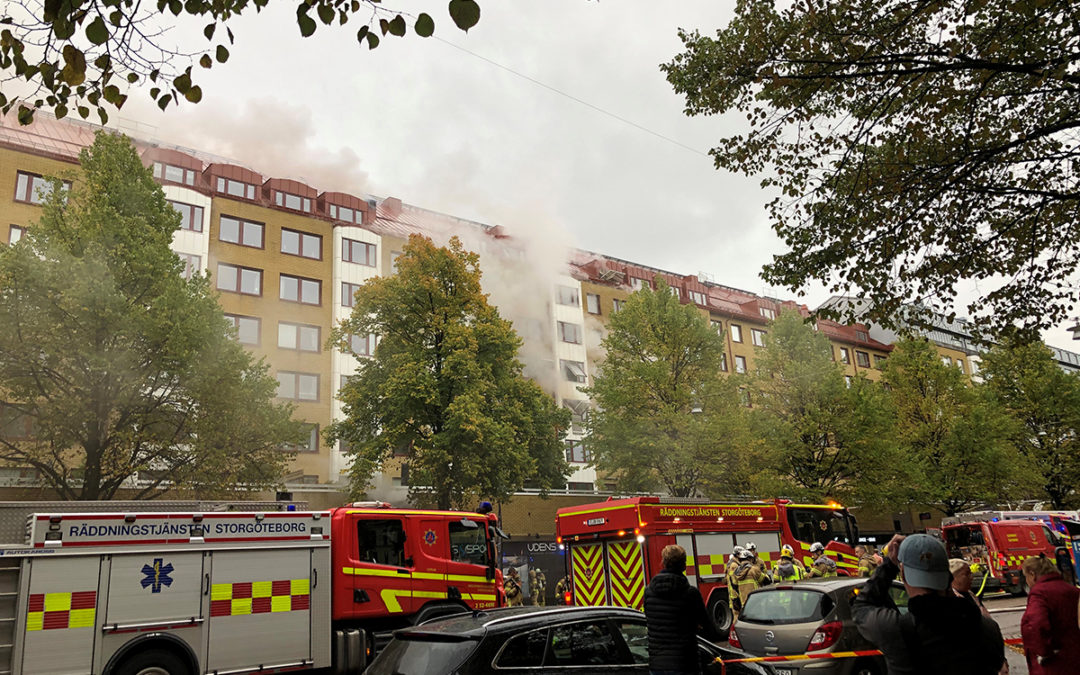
(411, 655)
(783, 606)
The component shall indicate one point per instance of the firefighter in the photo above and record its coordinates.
(538, 587)
(788, 569)
(748, 576)
(561, 589)
(729, 578)
(867, 561)
(512, 586)
(817, 549)
(823, 567)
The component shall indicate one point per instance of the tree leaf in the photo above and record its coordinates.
(326, 13)
(465, 13)
(205, 61)
(26, 115)
(182, 83)
(397, 26)
(306, 23)
(222, 54)
(209, 30)
(194, 94)
(372, 40)
(425, 25)
(97, 32)
(163, 102)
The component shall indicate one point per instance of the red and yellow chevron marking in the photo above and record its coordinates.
(803, 657)
(48, 611)
(626, 574)
(588, 569)
(260, 597)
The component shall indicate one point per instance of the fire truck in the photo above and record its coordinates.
(234, 592)
(998, 542)
(613, 547)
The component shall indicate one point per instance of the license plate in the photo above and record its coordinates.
(785, 671)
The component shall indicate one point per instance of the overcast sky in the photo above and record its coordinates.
(425, 121)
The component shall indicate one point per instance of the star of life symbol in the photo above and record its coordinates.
(157, 574)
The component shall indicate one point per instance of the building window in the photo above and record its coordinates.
(301, 243)
(744, 397)
(723, 362)
(592, 303)
(308, 443)
(769, 314)
(190, 216)
(676, 292)
(616, 304)
(845, 356)
(247, 328)
(32, 188)
(579, 412)
(960, 365)
(697, 297)
(298, 386)
(192, 264)
(299, 289)
(740, 364)
(346, 214)
(348, 293)
(15, 233)
(574, 371)
(235, 279)
(362, 345)
(575, 452)
(946, 360)
(757, 337)
(359, 252)
(879, 361)
(974, 367)
(718, 326)
(568, 296)
(847, 381)
(174, 174)
(243, 232)
(570, 332)
(862, 359)
(637, 284)
(298, 336)
(235, 188)
(736, 333)
(862, 335)
(290, 201)
(394, 255)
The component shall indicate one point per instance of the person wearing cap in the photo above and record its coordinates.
(941, 634)
(1049, 625)
(675, 614)
(787, 568)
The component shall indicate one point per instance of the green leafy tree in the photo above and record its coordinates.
(666, 418)
(118, 366)
(81, 56)
(1045, 401)
(822, 437)
(912, 145)
(957, 433)
(445, 387)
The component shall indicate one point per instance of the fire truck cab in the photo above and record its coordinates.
(999, 546)
(613, 547)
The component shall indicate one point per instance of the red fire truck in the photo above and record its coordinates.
(613, 547)
(234, 592)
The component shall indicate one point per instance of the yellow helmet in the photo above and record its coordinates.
(787, 551)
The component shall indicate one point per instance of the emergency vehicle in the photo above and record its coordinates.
(998, 547)
(231, 592)
(613, 547)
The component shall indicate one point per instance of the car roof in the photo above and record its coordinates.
(825, 585)
(478, 623)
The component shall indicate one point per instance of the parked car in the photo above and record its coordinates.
(545, 640)
(808, 617)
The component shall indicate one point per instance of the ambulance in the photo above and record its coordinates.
(613, 547)
(234, 592)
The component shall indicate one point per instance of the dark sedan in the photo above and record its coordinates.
(544, 640)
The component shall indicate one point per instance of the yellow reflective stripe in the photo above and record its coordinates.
(370, 572)
(299, 587)
(281, 603)
(57, 602)
(477, 596)
(390, 597)
(262, 589)
(240, 606)
(427, 576)
(600, 510)
(451, 577)
(221, 592)
(81, 618)
(35, 621)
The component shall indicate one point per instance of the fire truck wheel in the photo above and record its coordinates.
(1019, 591)
(153, 662)
(720, 614)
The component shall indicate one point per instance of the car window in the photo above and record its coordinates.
(636, 636)
(900, 597)
(420, 657)
(783, 606)
(587, 643)
(523, 651)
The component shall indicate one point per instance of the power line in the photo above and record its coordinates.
(574, 98)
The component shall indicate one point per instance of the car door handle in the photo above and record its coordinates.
(402, 571)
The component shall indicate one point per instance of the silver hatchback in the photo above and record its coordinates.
(809, 617)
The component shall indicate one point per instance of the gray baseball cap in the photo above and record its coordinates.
(925, 563)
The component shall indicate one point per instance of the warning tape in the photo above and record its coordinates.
(803, 657)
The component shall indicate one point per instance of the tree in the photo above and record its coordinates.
(912, 145)
(119, 366)
(958, 435)
(80, 56)
(823, 437)
(445, 388)
(1045, 401)
(665, 418)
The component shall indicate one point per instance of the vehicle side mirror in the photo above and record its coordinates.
(489, 573)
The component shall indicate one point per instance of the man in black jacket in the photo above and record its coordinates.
(674, 613)
(940, 634)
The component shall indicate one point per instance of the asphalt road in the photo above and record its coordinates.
(1007, 611)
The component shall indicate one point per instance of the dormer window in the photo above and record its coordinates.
(290, 201)
(346, 214)
(769, 314)
(697, 297)
(235, 188)
(174, 174)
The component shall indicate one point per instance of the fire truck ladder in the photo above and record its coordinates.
(10, 569)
